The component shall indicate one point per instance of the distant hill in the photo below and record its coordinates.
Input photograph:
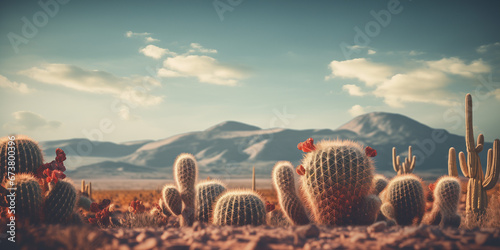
(230, 149)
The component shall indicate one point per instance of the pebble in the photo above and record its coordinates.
(377, 227)
(308, 231)
(481, 238)
(147, 244)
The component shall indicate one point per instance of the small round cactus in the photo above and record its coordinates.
(171, 199)
(185, 174)
(403, 200)
(60, 202)
(283, 180)
(446, 197)
(207, 194)
(337, 176)
(379, 183)
(239, 208)
(29, 198)
(27, 155)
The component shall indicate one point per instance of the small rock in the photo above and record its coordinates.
(147, 244)
(308, 231)
(198, 226)
(168, 236)
(481, 238)
(141, 237)
(377, 227)
(357, 237)
(177, 247)
(435, 233)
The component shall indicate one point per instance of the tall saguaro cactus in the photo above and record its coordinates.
(407, 166)
(477, 201)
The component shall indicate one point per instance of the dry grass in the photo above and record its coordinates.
(122, 198)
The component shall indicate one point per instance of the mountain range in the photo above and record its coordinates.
(230, 149)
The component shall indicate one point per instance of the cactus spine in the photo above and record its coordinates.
(446, 198)
(403, 200)
(284, 183)
(171, 199)
(27, 155)
(239, 208)
(186, 173)
(29, 198)
(60, 202)
(407, 166)
(207, 194)
(477, 201)
(337, 177)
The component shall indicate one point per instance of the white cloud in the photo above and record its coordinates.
(496, 93)
(136, 89)
(206, 69)
(423, 86)
(361, 69)
(415, 53)
(196, 47)
(356, 110)
(155, 51)
(456, 66)
(132, 34)
(353, 90)
(151, 40)
(26, 120)
(19, 87)
(371, 52)
(486, 47)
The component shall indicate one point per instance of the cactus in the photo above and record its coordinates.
(60, 202)
(163, 208)
(186, 173)
(206, 195)
(290, 203)
(379, 183)
(26, 154)
(86, 190)
(171, 199)
(407, 166)
(84, 202)
(29, 197)
(239, 208)
(337, 177)
(403, 200)
(446, 198)
(477, 201)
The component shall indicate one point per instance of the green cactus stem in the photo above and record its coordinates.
(239, 208)
(407, 166)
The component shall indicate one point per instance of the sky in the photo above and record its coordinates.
(132, 70)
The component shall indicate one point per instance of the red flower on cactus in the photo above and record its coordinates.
(307, 146)
(53, 175)
(300, 170)
(136, 207)
(96, 207)
(55, 165)
(61, 156)
(370, 152)
(270, 206)
(102, 212)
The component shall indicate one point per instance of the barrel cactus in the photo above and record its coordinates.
(185, 174)
(403, 200)
(239, 208)
(21, 150)
(60, 202)
(29, 197)
(206, 195)
(284, 183)
(336, 179)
